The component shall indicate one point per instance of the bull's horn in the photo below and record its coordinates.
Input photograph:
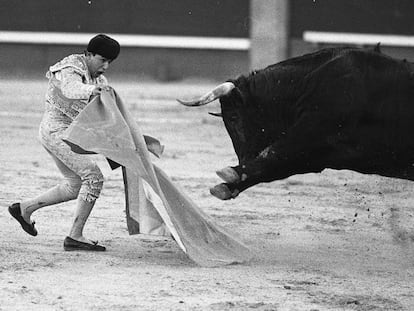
(216, 114)
(217, 92)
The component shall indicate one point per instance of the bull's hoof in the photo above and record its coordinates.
(229, 175)
(223, 192)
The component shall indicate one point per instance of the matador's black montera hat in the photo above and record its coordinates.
(105, 46)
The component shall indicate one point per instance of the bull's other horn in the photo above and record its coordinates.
(216, 114)
(217, 92)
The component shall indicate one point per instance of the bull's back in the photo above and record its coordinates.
(389, 90)
(368, 97)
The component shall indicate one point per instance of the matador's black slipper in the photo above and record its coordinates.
(15, 211)
(70, 244)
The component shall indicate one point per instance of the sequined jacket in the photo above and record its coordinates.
(69, 89)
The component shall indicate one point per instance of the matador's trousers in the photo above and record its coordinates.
(82, 176)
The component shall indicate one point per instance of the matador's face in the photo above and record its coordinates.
(97, 64)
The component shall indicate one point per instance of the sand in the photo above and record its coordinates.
(336, 240)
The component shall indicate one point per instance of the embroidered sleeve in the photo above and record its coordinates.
(72, 85)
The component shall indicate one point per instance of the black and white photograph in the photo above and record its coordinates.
(224, 155)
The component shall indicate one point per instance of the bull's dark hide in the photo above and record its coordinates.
(340, 108)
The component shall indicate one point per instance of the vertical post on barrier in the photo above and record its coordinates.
(269, 32)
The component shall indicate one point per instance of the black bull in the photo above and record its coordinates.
(339, 108)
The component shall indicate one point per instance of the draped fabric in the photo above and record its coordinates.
(154, 203)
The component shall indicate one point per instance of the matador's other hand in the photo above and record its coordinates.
(99, 88)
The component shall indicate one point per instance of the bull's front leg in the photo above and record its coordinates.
(303, 151)
(239, 178)
(267, 167)
(264, 168)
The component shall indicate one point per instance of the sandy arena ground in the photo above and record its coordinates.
(331, 241)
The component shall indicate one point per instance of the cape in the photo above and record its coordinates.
(154, 204)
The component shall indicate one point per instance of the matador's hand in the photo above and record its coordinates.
(99, 88)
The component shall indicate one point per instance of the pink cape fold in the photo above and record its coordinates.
(106, 127)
